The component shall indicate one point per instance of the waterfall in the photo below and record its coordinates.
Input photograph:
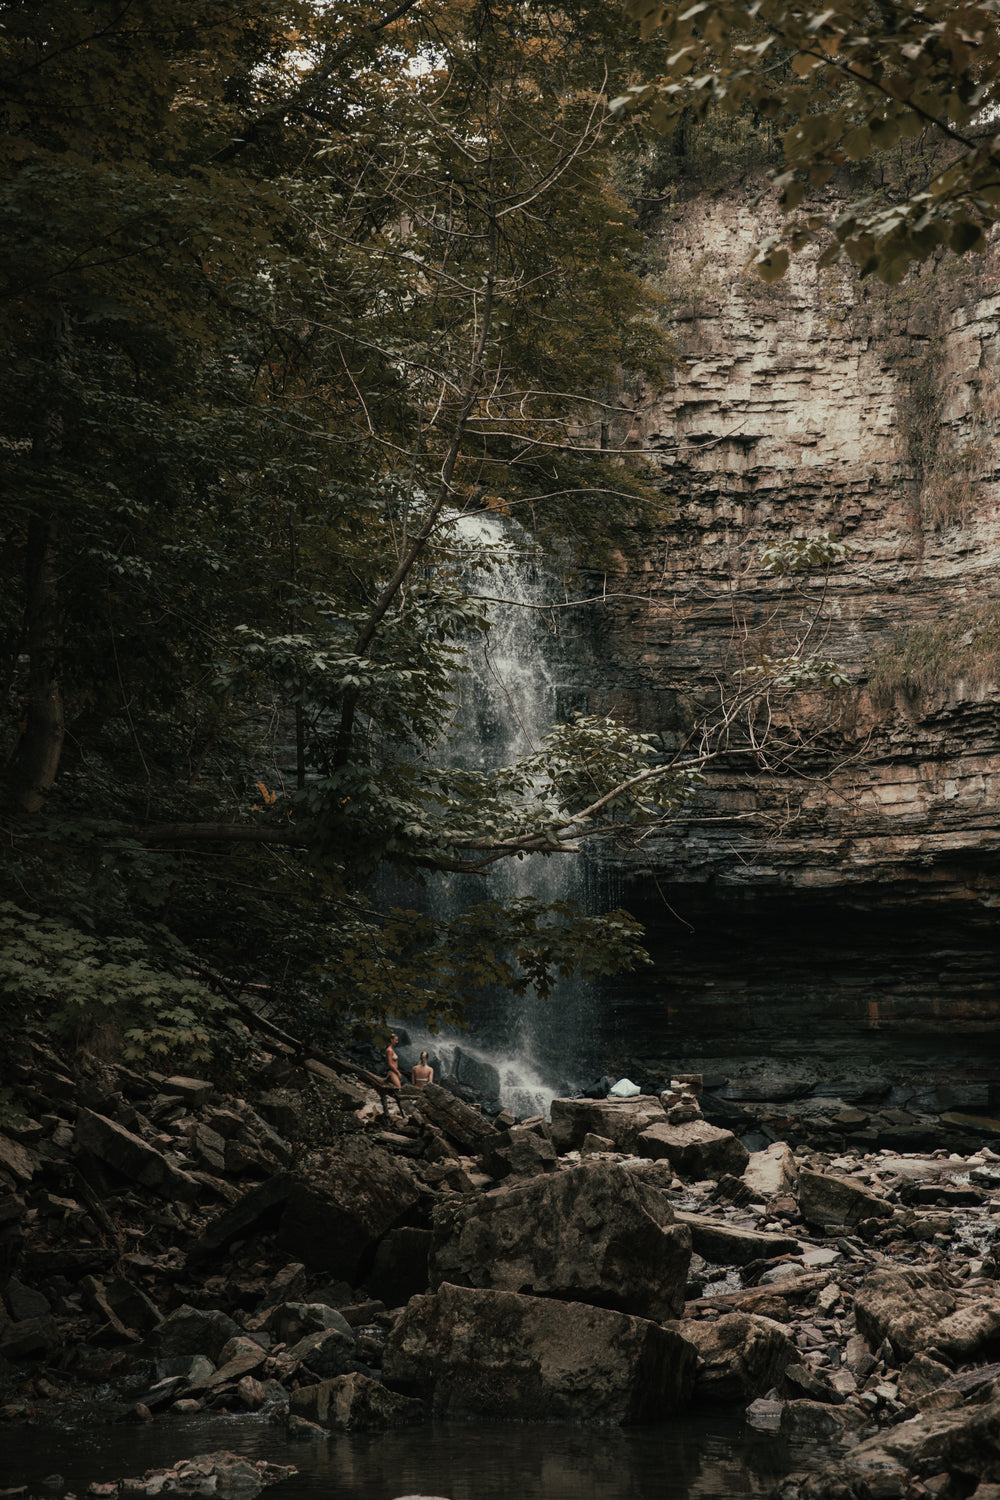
(507, 702)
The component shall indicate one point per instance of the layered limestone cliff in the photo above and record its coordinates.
(871, 414)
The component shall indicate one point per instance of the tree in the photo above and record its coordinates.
(284, 292)
(844, 82)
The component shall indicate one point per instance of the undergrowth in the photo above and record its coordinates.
(921, 660)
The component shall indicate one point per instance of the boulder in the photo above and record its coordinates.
(126, 1307)
(193, 1330)
(618, 1120)
(476, 1073)
(341, 1200)
(477, 1353)
(132, 1157)
(772, 1172)
(191, 1369)
(523, 1150)
(251, 1393)
(963, 1443)
(725, 1244)
(659, 1175)
(970, 1331)
(740, 1356)
(921, 1375)
(354, 1403)
(291, 1321)
(803, 1382)
(16, 1159)
(592, 1144)
(904, 1305)
(591, 1234)
(25, 1301)
(194, 1091)
(458, 1120)
(31, 1338)
(327, 1353)
(237, 1358)
(818, 1422)
(694, 1149)
(828, 1199)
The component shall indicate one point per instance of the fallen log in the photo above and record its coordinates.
(791, 1287)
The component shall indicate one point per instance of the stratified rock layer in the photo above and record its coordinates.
(820, 405)
(843, 877)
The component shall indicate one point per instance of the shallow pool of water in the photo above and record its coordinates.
(697, 1458)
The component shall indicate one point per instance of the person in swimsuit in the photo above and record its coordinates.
(422, 1073)
(394, 1077)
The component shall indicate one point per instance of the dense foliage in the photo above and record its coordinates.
(286, 289)
(841, 83)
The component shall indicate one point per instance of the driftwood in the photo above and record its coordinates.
(791, 1288)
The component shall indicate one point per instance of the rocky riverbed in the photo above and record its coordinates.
(350, 1258)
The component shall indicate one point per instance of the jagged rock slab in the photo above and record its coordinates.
(725, 1244)
(964, 1443)
(618, 1120)
(189, 1331)
(459, 1121)
(694, 1149)
(917, 1311)
(215, 1476)
(133, 1157)
(354, 1403)
(247, 1214)
(772, 1171)
(825, 1198)
(592, 1234)
(478, 1353)
(341, 1200)
(740, 1356)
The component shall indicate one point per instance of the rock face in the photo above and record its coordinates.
(471, 1353)
(824, 405)
(818, 405)
(593, 1233)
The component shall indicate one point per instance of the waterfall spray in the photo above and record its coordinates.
(508, 702)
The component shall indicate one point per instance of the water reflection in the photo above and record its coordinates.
(701, 1458)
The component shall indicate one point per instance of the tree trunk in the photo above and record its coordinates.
(39, 750)
(36, 759)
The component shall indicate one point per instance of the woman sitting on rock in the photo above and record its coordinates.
(422, 1073)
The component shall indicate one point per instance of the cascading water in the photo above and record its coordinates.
(508, 702)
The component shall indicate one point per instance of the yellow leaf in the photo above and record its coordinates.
(773, 266)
